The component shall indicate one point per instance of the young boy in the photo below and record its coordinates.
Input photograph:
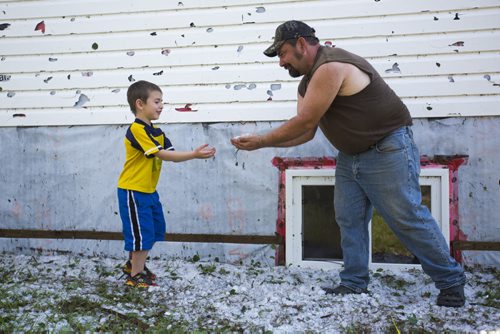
(140, 208)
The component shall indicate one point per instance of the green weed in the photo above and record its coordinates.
(208, 269)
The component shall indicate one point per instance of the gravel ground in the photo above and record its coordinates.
(62, 293)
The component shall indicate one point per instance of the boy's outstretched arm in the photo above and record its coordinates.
(202, 152)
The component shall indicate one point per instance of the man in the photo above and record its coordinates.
(378, 164)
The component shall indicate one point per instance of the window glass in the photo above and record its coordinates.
(386, 247)
(320, 234)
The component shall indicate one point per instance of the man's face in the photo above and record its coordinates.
(290, 59)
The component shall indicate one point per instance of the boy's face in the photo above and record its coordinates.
(150, 110)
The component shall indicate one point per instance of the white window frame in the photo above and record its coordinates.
(436, 178)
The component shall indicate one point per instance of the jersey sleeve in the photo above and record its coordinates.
(168, 144)
(143, 141)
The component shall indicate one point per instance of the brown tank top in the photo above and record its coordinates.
(355, 123)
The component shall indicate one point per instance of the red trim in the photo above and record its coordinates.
(452, 163)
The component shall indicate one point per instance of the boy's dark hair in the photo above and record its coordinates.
(140, 90)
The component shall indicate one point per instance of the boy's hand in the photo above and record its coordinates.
(247, 142)
(204, 152)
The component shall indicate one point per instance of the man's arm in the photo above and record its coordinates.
(323, 88)
(302, 138)
(298, 141)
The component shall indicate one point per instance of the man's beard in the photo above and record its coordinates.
(293, 72)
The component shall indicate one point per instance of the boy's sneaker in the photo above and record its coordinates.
(452, 297)
(127, 270)
(140, 280)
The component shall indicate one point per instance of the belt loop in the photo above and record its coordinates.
(409, 131)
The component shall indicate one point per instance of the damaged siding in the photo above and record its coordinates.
(70, 62)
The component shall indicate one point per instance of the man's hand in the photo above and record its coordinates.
(204, 152)
(248, 142)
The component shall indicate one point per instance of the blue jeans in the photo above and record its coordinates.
(386, 177)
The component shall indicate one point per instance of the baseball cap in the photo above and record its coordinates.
(287, 31)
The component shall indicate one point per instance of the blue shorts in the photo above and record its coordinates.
(142, 219)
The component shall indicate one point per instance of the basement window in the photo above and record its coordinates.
(313, 238)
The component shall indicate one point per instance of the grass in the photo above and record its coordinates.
(490, 294)
(92, 311)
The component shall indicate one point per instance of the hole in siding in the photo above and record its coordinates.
(5, 77)
(40, 26)
(395, 69)
(275, 86)
(186, 108)
(82, 99)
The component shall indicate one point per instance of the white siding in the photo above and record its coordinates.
(441, 57)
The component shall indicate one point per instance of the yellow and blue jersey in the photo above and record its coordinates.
(141, 171)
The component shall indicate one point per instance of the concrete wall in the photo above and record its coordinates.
(65, 178)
